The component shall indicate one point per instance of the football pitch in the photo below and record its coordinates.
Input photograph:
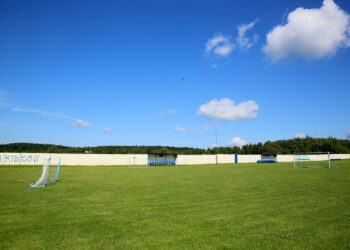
(243, 206)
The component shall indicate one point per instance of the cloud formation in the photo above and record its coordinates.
(348, 134)
(183, 130)
(209, 124)
(238, 142)
(227, 110)
(106, 130)
(75, 123)
(242, 40)
(219, 45)
(300, 135)
(45, 113)
(169, 112)
(310, 33)
(80, 124)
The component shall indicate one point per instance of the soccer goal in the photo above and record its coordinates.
(50, 173)
(313, 160)
(132, 162)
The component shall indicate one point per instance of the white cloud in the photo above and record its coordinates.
(45, 113)
(168, 113)
(238, 142)
(80, 124)
(74, 122)
(183, 130)
(224, 50)
(106, 130)
(207, 125)
(219, 45)
(213, 42)
(226, 110)
(310, 33)
(348, 134)
(300, 135)
(77, 123)
(242, 40)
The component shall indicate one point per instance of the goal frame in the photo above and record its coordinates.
(50, 173)
(313, 157)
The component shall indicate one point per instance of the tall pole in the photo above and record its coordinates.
(216, 145)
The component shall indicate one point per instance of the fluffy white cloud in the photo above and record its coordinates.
(226, 110)
(224, 50)
(80, 124)
(238, 142)
(243, 41)
(348, 134)
(219, 45)
(214, 41)
(310, 33)
(183, 130)
(106, 130)
(300, 135)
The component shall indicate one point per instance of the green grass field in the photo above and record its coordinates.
(244, 206)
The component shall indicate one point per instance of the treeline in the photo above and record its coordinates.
(290, 146)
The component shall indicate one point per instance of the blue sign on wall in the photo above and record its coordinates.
(19, 158)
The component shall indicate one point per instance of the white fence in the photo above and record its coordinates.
(134, 159)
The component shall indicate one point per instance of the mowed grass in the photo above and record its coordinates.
(244, 206)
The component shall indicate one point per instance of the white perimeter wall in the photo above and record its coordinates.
(204, 159)
(74, 159)
(195, 159)
(136, 159)
(248, 158)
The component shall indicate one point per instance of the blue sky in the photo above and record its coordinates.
(173, 72)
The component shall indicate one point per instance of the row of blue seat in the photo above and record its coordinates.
(266, 161)
(161, 163)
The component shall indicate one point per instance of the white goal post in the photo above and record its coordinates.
(50, 172)
(313, 160)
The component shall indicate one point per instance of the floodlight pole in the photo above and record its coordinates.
(216, 145)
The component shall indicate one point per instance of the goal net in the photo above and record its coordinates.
(313, 160)
(50, 172)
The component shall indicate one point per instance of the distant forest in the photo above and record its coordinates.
(307, 144)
